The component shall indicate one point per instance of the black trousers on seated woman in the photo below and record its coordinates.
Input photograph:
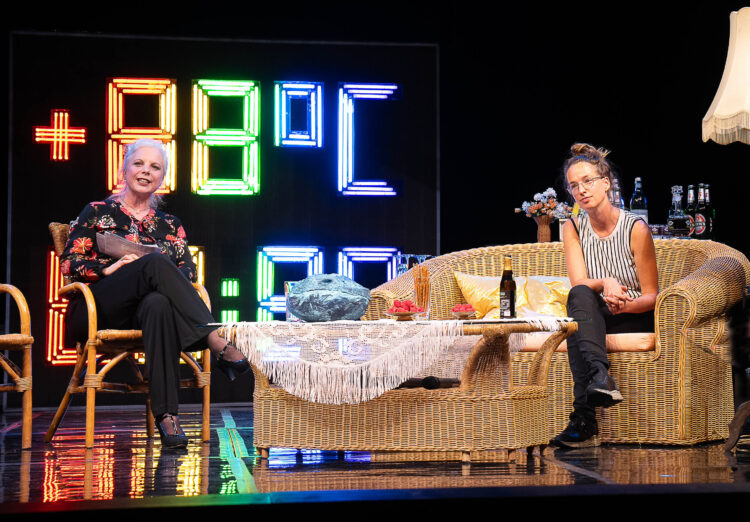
(587, 348)
(151, 295)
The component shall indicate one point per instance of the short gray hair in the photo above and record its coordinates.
(156, 199)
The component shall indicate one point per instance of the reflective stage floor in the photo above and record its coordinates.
(127, 470)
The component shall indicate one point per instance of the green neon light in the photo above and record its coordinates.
(248, 183)
(230, 287)
(230, 316)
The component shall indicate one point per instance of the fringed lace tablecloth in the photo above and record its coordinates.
(348, 362)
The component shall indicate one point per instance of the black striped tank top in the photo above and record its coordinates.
(611, 256)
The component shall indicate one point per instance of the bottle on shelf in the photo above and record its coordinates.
(507, 291)
(701, 228)
(638, 201)
(615, 194)
(690, 209)
(677, 224)
(710, 212)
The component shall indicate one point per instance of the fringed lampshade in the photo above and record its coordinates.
(728, 118)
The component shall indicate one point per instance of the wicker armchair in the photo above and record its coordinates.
(21, 376)
(679, 393)
(118, 345)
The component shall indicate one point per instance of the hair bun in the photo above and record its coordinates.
(584, 149)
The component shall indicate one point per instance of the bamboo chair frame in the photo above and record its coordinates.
(21, 377)
(120, 345)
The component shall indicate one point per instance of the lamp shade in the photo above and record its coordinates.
(728, 118)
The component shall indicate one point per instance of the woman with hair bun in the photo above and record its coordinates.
(152, 293)
(609, 254)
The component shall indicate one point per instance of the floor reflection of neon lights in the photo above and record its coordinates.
(72, 472)
(280, 458)
(233, 450)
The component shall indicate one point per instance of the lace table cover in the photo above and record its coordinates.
(348, 362)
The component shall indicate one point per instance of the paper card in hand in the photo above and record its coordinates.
(117, 247)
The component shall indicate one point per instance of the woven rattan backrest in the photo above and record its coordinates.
(675, 259)
(59, 232)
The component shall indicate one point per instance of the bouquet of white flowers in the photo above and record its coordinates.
(546, 204)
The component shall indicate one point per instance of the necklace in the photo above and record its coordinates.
(138, 213)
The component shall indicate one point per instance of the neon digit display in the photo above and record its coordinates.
(268, 303)
(205, 137)
(59, 135)
(350, 255)
(230, 287)
(347, 184)
(198, 255)
(119, 135)
(57, 352)
(285, 134)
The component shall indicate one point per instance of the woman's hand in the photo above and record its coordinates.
(114, 267)
(615, 295)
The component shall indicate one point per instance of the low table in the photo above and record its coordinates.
(485, 412)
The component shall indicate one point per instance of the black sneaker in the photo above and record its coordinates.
(603, 392)
(580, 433)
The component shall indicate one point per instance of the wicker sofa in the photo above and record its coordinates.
(678, 393)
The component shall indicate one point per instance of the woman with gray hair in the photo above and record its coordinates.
(153, 292)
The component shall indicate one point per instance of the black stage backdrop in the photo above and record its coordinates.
(514, 90)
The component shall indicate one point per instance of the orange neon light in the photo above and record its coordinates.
(57, 352)
(118, 135)
(60, 135)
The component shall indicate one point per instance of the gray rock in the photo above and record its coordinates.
(328, 297)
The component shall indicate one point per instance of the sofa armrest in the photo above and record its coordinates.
(689, 312)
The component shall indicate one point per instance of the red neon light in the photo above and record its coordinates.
(57, 353)
(60, 135)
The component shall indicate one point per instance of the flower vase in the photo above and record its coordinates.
(543, 232)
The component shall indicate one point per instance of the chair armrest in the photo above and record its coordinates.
(698, 301)
(203, 293)
(23, 308)
(90, 304)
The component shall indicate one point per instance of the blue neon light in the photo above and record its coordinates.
(312, 135)
(268, 303)
(350, 255)
(348, 92)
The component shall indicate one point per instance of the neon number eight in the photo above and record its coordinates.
(205, 137)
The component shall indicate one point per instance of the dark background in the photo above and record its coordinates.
(516, 88)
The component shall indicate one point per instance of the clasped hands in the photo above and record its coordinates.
(615, 295)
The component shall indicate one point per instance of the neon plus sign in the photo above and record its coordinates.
(60, 135)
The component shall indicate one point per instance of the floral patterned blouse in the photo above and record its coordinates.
(82, 260)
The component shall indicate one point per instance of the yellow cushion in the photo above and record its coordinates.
(481, 292)
(534, 295)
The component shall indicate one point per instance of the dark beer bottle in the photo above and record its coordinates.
(507, 291)
(701, 230)
(690, 209)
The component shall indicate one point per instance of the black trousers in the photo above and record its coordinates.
(152, 295)
(587, 348)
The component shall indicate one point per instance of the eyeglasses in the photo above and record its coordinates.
(587, 184)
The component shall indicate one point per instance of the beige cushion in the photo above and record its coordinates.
(625, 342)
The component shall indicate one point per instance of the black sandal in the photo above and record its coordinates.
(231, 368)
(178, 440)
